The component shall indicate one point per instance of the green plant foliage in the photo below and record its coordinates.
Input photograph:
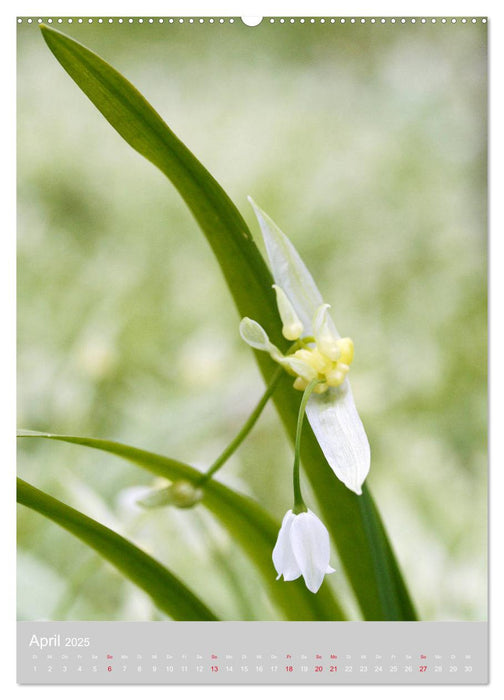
(250, 284)
(246, 521)
(168, 593)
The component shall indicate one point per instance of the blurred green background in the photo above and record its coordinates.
(367, 145)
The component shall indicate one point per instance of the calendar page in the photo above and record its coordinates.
(252, 350)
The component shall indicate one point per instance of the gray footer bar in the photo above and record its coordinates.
(252, 653)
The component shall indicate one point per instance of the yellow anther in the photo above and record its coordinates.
(324, 357)
(321, 361)
(346, 348)
(292, 326)
(313, 358)
(336, 376)
(299, 366)
(314, 363)
(300, 384)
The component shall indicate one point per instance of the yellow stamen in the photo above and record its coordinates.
(346, 348)
(313, 358)
(292, 326)
(325, 337)
(300, 384)
(336, 376)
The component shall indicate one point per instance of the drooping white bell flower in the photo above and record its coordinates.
(322, 355)
(302, 549)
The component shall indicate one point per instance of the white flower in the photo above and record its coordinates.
(302, 549)
(322, 354)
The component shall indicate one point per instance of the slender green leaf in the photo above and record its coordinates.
(168, 593)
(393, 583)
(142, 127)
(250, 284)
(245, 520)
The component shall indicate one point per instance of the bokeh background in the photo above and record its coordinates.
(367, 145)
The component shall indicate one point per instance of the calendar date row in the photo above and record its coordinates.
(250, 668)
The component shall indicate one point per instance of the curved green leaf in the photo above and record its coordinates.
(168, 593)
(246, 521)
(250, 282)
(141, 126)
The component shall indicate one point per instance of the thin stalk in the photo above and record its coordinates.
(299, 504)
(249, 424)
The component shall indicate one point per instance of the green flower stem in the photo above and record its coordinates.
(299, 504)
(251, 421)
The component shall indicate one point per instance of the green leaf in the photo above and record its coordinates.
(167, 592)
(245, 520)
(393, 589)
(142, 127)
(250, 282)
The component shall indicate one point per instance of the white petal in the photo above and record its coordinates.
(289, 271)
(310, 544)
(283, 557)
(341, 435)
(255, 336)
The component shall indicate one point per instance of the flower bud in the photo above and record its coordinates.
(302, 549)
(184, 495)
(181, 494)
